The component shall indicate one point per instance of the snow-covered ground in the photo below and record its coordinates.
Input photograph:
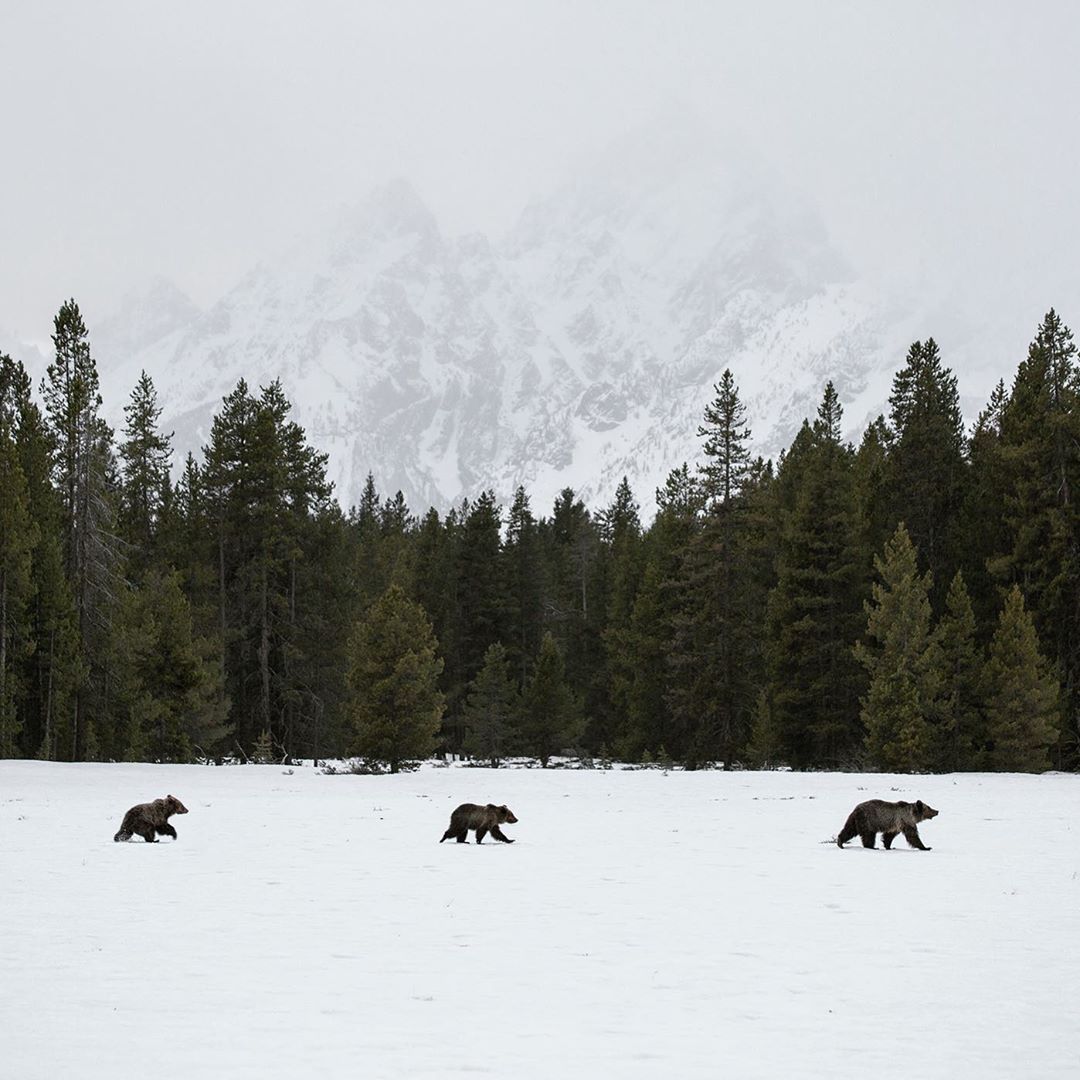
(643, 925)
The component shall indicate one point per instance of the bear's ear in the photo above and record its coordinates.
(919, 805)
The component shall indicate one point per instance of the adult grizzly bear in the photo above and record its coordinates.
(149, 818)
(888, 818)
(483, 819)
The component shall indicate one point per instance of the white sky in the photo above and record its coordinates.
(140, 138)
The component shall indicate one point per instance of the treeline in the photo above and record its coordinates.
(912, 603)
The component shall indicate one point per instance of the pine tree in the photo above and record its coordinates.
(903, 697)
(395, 706)
(814, 609)
(17, 539)
(168, 679)
(716, 652)
(961, 719)
(1021, 695)
(1040, 435)
(492, 708)
(145, 456)
(926, 470)
(524, 587)
(551, 712)
(82, 466)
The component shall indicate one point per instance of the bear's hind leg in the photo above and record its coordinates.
(462, 836)
(911, 835)
(848, 832)
(887, 838)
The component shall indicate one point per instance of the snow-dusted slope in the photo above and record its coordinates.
(581, 348)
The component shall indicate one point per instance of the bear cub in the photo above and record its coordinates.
(888, 818)
(146, 819)
(484, 819)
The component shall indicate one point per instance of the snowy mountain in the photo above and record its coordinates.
(582, 347)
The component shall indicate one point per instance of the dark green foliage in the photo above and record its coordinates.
(1021, 694)
(961, 724)
(492, 709)
(716, 648)
(551, 712)
(903, 697)
(926, 473)
(815, 609)
(394, 704)
(1040, 447)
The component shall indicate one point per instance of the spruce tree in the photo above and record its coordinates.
(900, 657)
(492, 709)
(523, 576)
(814, 611)
(395, 706)
(716, 648)
(145, 456)
(926, 470)
(1040, 435)
(17, 539)
(82, 466)
(551, 712)
(1022, 697)
(962, 738)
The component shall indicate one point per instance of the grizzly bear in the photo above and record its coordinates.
(149, 818)
(483, 819)
(888, 818)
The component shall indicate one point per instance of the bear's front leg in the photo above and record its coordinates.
(500, 835)
(481, 833)
(911, 835)
(166, 830)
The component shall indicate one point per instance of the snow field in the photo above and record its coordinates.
(643, 925)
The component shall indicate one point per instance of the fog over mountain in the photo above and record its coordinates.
(579, 348)
(793, 191)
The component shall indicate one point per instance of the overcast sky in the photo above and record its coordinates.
(185, 139)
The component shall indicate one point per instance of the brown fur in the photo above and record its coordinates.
(888, 818)
(146, 819)
(483, 819)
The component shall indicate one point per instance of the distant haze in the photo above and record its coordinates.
(189, 140)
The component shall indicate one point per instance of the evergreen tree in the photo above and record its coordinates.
(395, 706)
(145, 456)
(716, 652)
(961, 720)
(1021, 695)
(551, 712)
(814, 609)
(17, 538)
(168, 678)
(524, 587)
(491, 711)
(903, 698)
(82, 466)
(1040, 434)
(926, 466)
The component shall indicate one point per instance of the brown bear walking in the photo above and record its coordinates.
(149, 818)
(483, 819)
(888, 818)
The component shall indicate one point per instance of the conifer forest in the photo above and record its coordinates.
(909, 603)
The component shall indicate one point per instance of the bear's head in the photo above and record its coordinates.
(174, 806)
(506, 816)
(923, 811)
